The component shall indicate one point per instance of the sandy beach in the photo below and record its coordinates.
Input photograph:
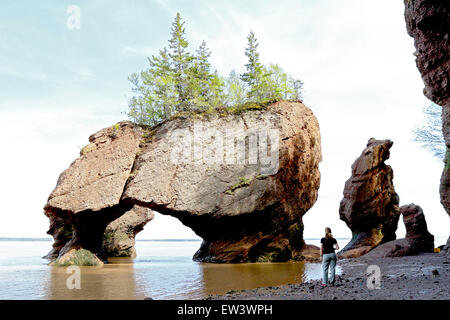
(421, 277)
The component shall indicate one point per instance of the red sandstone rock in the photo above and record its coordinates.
(370, 204)
(417, 239)
(243, 212)
(428, 23)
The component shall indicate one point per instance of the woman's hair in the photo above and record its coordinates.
(328, 233)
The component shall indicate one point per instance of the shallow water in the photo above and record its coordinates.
(162, 270)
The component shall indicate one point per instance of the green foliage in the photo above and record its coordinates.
(114, 131)
(181, 64)
(262, 176)
(235, 94)
(178, 83)
(86, 149)
(109, 237)
(243, 182)
(267, 83)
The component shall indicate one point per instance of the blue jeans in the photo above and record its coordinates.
(328, 260)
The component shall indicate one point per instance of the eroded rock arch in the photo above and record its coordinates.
(240, 180)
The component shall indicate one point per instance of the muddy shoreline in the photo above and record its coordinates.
(421, 277)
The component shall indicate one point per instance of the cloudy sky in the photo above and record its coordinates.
(59, 85)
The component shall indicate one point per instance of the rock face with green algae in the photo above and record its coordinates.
(240, 180)
(370, 206)
(77, 257)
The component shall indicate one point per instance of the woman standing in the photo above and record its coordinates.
(329, 244)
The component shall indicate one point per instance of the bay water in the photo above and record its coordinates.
(163, 269)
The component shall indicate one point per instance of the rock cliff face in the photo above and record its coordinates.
(370, 204)
(61, 232)
(241, 180)
(417, 239)
(427, 22)
(87, 195)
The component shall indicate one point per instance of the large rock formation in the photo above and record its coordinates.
(241, 179)
(119, 236)
(370, 204)
(427, 22)
(417, 239)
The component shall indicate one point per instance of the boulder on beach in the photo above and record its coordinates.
(311, 253)
(241, 179)
(77, 257)
(417, 239)
(370, 204)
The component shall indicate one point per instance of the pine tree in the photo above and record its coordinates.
(163, 82)
(200, 78)
(255, 74)
(203, 68)
(181, 62)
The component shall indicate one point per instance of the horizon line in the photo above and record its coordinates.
(156, 239)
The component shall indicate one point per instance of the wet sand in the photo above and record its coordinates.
(422, 277)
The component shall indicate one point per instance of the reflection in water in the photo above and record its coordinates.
(111, 281)
(121, 279)
(218, 279)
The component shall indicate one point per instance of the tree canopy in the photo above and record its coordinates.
(179, 81)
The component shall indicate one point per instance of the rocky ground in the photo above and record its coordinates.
(422, 277)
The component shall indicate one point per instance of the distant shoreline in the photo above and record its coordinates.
(142, 240)
(440, 240)
(138, 240)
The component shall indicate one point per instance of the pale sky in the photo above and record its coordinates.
(60, 85)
